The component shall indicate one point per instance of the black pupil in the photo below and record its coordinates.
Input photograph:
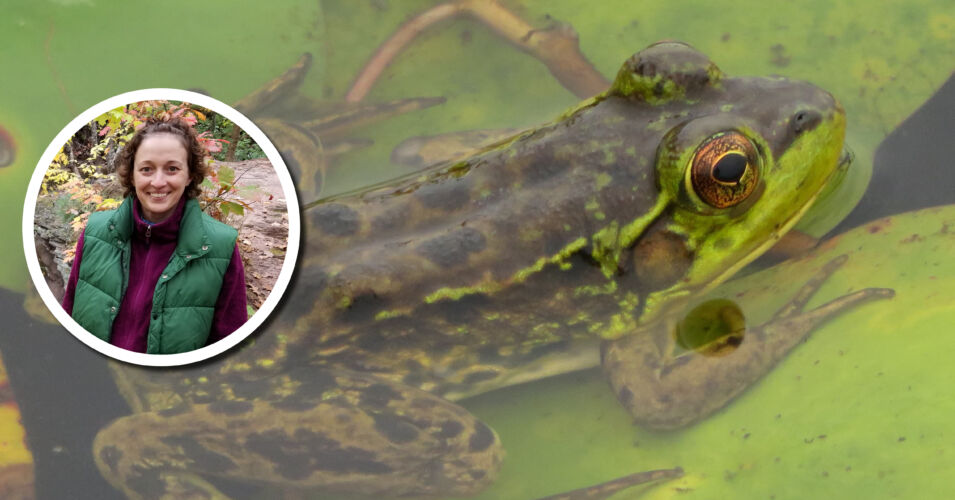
(730, 168)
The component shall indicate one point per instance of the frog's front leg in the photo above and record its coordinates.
(664, 391)
(335, 431)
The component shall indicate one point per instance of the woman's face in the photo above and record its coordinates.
(160, 175)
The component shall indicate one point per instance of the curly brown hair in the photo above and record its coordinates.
(195, 153)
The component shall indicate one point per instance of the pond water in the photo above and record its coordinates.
(860, 410)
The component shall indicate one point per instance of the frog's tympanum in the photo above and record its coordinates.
(569, 244)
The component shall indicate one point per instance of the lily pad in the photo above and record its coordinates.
(861, 410)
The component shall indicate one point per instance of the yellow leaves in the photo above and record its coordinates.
(108, 204)
(61, 158)
(54, 177)
(79, 222)
(69, 254)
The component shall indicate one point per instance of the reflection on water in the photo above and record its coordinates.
(234, 417)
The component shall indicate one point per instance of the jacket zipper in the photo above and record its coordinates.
(149, 231)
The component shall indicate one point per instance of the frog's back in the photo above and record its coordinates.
(490, 221)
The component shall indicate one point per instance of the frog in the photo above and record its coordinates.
(570, 245)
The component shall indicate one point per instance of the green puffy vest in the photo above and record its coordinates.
(186, 294)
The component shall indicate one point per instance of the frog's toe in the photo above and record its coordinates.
(661, 393)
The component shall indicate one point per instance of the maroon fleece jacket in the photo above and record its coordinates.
(149, 256)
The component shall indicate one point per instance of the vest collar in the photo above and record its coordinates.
(167, 230)
(193, 239)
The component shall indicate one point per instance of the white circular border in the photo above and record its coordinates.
(291, 254)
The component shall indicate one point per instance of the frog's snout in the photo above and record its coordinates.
(830, 105)
(803, 120)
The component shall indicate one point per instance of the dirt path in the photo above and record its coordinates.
(263, 231)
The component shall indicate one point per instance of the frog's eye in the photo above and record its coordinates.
(725, 169)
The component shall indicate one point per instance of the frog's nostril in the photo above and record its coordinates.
(804, 120)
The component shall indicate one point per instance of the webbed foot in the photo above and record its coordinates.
(306, 429)
(670, 391)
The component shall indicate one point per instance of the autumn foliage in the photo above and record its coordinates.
(79, 178)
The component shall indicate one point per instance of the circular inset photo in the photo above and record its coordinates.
(161, 227)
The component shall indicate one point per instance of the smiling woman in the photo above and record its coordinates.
(157, 275)
(157, 227)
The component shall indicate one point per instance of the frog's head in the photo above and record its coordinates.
(747, 159)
